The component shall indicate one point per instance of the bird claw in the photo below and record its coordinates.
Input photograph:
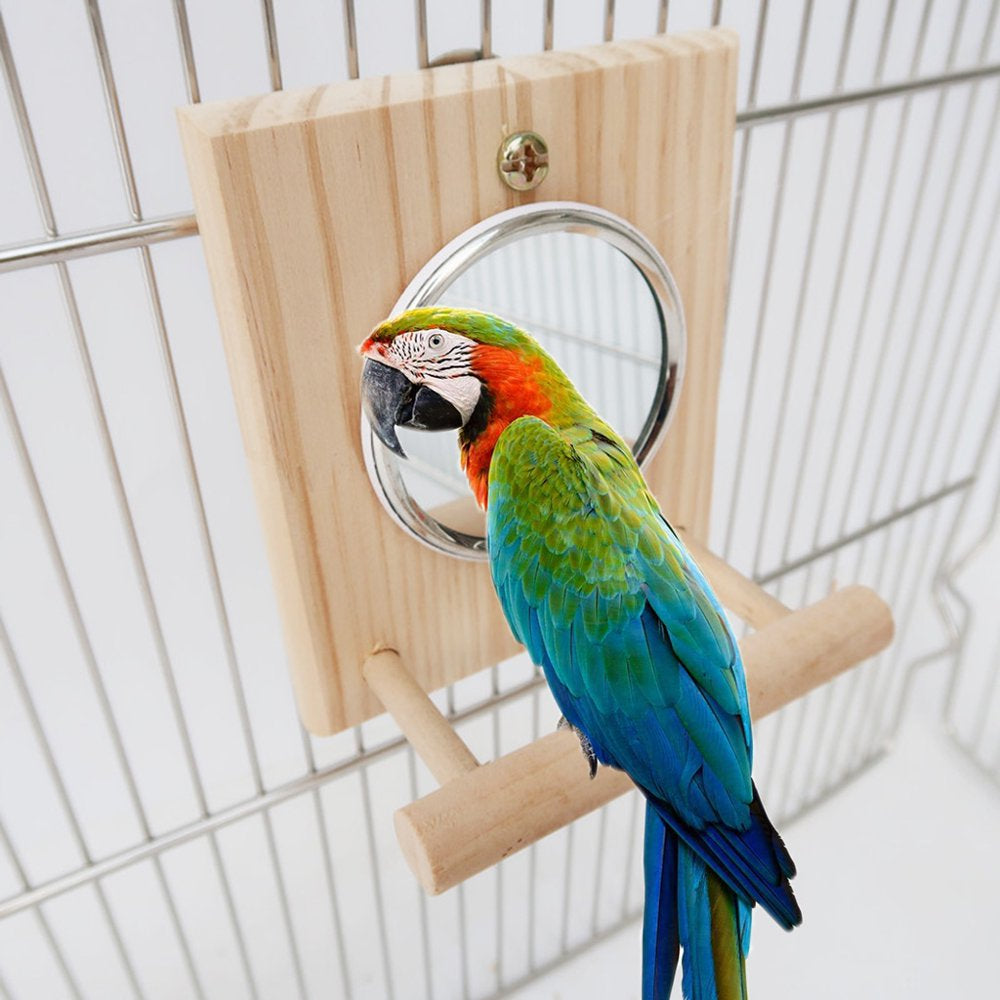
(585, 744)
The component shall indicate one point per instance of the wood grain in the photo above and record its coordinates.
(427, 730)
(316, 208)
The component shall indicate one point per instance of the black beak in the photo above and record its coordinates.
(391, 400)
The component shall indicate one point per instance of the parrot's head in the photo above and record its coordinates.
(439, 369)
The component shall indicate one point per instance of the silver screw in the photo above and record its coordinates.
(523, 160)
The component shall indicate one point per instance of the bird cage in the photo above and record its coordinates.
(167, 825)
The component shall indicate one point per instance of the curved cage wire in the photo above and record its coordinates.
(166, 827)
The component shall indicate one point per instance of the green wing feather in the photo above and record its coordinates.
(633, 643)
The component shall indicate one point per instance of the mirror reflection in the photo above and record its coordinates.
(590, 307)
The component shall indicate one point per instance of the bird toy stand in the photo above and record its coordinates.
(316, 208)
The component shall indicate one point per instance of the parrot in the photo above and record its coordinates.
(633, 644)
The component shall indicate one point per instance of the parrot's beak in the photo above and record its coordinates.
(391, 400)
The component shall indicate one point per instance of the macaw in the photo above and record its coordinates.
(633, 644)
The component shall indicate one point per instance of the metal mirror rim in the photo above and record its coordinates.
(453, 260)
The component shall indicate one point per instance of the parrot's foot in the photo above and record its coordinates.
(585, 745)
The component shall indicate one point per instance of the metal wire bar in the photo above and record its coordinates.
(901, 271)
(567, 883)
(602, 829)
(662, 11)
(565, 957)
(943, 574)
(100, 691)
(633, 834)
(885, 673)
(909, 87)
(178, 926)
(533, 849)
(232, 814)
(50, 939)
(957, 258)
(106, 239)
(23, 122)
(495, 727)
(831, 788)
(776, 214)
(113, 104)
(994, 215)
(463, 943)
(283, 904)
(774, 450)
(609, 20)
(826, 709)
(187, 51)
(741, 170)
(887, 665)
(838, 285)
(486, 32)
(62, 575)
(331, 890)
(271, 41)
(425, 940)
(869, 285)
(871, 528)
(423, 55)
(855, 721)
(951, 567)
(80, 634)
(862, 679)
(548, 22)
(110, 91)
(383, 934)
(328, 873)
(978, 728)
(549, 329)
(97, 682)
(351, 39)
(28, 706)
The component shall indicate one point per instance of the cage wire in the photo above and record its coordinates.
(166, 826)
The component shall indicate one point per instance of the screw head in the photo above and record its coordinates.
(523, 160)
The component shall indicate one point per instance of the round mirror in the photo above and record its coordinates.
(595, 294)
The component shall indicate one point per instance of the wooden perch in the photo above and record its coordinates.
(483, 814)
(428, 731)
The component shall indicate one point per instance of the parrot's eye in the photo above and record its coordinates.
(435, 340)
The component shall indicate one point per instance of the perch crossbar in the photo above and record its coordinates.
(482, 814)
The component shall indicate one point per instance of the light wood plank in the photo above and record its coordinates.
(317, 207)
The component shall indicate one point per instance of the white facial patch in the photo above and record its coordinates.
(462, 391)
(438, 359)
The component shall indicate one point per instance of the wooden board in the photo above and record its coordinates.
(317, 207)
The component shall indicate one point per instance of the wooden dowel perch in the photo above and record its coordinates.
(482, 814)
(429, 732)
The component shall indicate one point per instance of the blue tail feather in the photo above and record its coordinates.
(659, 920)
(753, 863)
(689, 914)
(694, 914)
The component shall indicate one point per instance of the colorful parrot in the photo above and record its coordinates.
(634, 645)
